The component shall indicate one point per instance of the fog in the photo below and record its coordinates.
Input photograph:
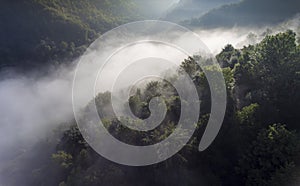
(155, 8)
(216, 39)
(188, 9)
(32, 107)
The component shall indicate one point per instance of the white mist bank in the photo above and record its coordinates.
(216, 39)
(30, 108)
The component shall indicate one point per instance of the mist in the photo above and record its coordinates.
(188, 9)
(238, 37)
(32, 107)
(155, 8)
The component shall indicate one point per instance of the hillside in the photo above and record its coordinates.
(249, 13)
(154, 9)
(39, 31)
(187, 9)
(48, 137)
(258, 143)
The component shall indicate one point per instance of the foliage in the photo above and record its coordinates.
(247, 116)
(262, 84)
(247, 151)
(272, 153)
(63, 159)
(33, 32)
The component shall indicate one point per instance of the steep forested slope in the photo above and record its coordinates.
(249, 13)
(39, 31)
(257, 145)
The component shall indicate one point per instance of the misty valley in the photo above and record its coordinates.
(154, 93)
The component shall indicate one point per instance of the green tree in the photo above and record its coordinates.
(274, 150)
(63, 159)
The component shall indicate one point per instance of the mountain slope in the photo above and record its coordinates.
(38, 31)
(187, 9)
(154, 9)
(249, 13)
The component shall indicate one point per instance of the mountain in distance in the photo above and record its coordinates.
(188, 9)
(248, 13)
(154, 9)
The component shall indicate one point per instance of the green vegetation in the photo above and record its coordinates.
(259, 140)
(257, 145)
(248, 13)
(39, 32)
(270, 158)
(188, 9)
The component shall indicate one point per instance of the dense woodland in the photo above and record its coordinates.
(35, 32)
(259, 140)
(257, 145)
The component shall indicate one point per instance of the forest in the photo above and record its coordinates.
(258, 144)
(52, 32)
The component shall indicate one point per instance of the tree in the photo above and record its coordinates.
(228, 57)
(274, 150)
(63, 159)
